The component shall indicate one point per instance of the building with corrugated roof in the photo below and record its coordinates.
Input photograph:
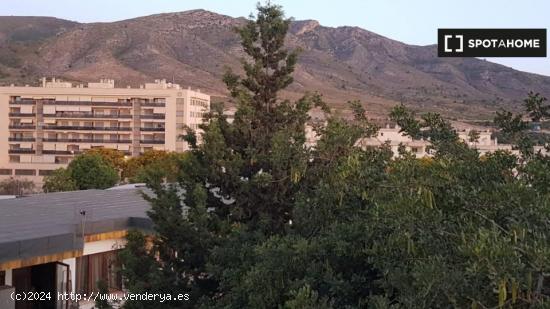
(66, 242)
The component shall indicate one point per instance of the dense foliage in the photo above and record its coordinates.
(58, 181)
(113, 157)
(92, 171)
(14, 186)
(258, 220)
(109, 166)
(153, 164)
(86, 171)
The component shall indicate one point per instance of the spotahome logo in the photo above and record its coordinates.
(491, 42)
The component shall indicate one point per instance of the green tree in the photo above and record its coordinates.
(258, 220)
(60, 180)
(534, 104)
(14, 186)
(450, 240)
(510, 123)
(514, 130)
(257, 160)
(246, 172)
(92, 171)
(406, 119)
(473, 136)
(429, 126)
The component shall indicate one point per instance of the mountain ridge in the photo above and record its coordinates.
(195, 47)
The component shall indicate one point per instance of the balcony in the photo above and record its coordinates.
(109, 141)
(87, 115)
(152, 116)
(154, 104)
(23, 126)
(22, 114)
(152, 129)
(73, 152)
(21, 150)
(87, 140)
(62, 152)
(23, 102)
(151, 141)
(88, 103)
(21, 139)
(54, 127)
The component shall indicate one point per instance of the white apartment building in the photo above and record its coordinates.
(42, 128)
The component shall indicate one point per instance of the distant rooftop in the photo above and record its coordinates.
(106, 84)
(158, 84)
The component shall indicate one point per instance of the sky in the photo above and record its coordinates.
(410, 21)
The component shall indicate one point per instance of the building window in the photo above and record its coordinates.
(15, 159)
(5, 171)
(197, 114)
(25, 172)
(180, 104)
(2, 277)
(199, 102)
(45, 172)
(62, 160)
(98, 267)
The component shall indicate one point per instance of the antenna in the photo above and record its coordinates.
(83, 214)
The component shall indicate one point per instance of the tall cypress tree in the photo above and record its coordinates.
(257, 160)
(245, 172)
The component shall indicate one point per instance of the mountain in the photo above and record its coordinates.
(27, 29)
(193, 48)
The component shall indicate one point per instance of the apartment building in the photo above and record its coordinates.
(392, 136)
(420, 148)
(43, 128)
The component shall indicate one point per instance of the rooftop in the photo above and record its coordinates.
(49, 223)
(158, 84)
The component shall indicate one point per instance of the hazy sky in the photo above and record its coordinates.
(409, 21)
